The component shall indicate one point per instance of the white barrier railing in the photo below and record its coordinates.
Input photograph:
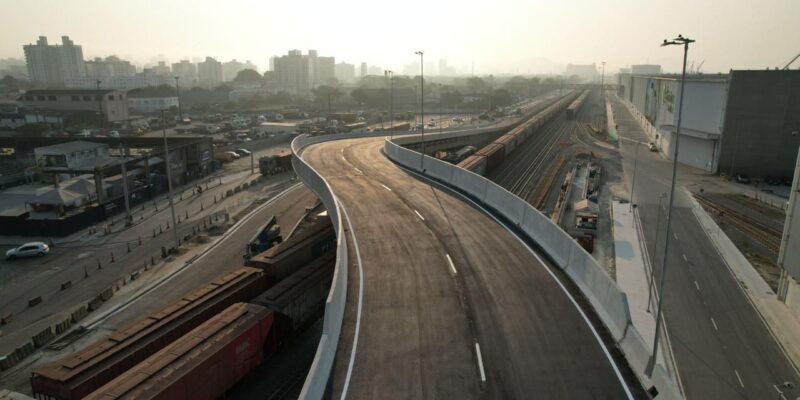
(605, 297)
(316, 382)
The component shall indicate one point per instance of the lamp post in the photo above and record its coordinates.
(633, 178)
(655, 251)
(99, 103)
(421, 104)
(390, 74)
(168, 167)
(603, 81)
(680, 40)
(178, 95)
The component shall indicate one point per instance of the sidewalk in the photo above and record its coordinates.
(633, 275)
(780, 320)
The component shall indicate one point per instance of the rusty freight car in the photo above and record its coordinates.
(78, 374)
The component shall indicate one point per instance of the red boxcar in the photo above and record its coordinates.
(81, 373)
(202, 364)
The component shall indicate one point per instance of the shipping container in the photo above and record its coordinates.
(313, 237)
(202, 364)
(81, 373)
(300, 298)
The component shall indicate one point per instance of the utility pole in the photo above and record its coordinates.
(633, 178)
(168, 167)
(99, 104)
(655, 252)
(603, 82)
(128, 219)
(680, 40)
(178, 95)
(422, 106)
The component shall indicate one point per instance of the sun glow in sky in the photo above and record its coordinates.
(501, 36)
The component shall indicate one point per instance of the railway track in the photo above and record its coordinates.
(764, 234)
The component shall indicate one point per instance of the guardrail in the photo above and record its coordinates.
(605, 297)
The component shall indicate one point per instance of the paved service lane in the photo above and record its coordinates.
(723, 350)
(453, 305)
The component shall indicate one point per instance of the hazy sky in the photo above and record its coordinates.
(499, 36)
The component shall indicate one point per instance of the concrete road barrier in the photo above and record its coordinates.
(94, 303)
(43, 337)
(106, 294)
(34, 301)
(79, 314)
(63, 326)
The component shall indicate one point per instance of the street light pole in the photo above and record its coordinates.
(178, 94)
(603, 81)
(99, 104)
(168, 167)
(655, 252)
(390, 74)
(633, 178)
(422, 105)
(680, 40)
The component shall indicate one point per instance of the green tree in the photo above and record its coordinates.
(248, 77)
(501, 98)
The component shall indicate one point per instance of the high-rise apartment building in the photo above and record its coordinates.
(231, 68)
(209, 72)
(52, 64)
(162, 69)
(297, 73)
(363, 69)
(345, 72)
(109, 67)
(186, 72)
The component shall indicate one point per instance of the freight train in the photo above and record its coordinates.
(209, 360)
(290, 281)
(573, 108)
(80, 373)
(493, 154)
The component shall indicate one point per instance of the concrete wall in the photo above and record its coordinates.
(763, 112)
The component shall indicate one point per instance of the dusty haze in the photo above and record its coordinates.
(500, 36)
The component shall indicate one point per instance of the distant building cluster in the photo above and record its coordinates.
(63, 66)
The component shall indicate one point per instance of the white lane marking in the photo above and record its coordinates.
(358, 170)
(360, 303)
(697, 285)
(675, 235)
(386, 187)
(684, 258)
(739, 377)
(486, 212)
(419, 215)
(452, 266)
(480, 361)
(715, 324)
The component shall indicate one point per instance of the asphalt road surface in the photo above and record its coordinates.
(441, 282)
(224, 257)
(723, 350)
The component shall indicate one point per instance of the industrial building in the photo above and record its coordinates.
(112, 103)
(742, 122)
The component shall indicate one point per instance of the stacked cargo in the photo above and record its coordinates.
(202, 364)
(487, 158)
(314, 237)
(77, 375)
(573, 108)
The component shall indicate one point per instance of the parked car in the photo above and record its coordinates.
(28, 250)
(233, 154)
(742, 178)
(771, 180)
(786, 181)
(652, 146)
(242, 152)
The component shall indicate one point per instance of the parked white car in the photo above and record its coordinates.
(28, 250)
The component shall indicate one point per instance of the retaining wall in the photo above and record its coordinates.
(605, 297)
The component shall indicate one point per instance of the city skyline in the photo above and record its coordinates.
(525, 42)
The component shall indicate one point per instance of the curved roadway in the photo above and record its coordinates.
(415, 326)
